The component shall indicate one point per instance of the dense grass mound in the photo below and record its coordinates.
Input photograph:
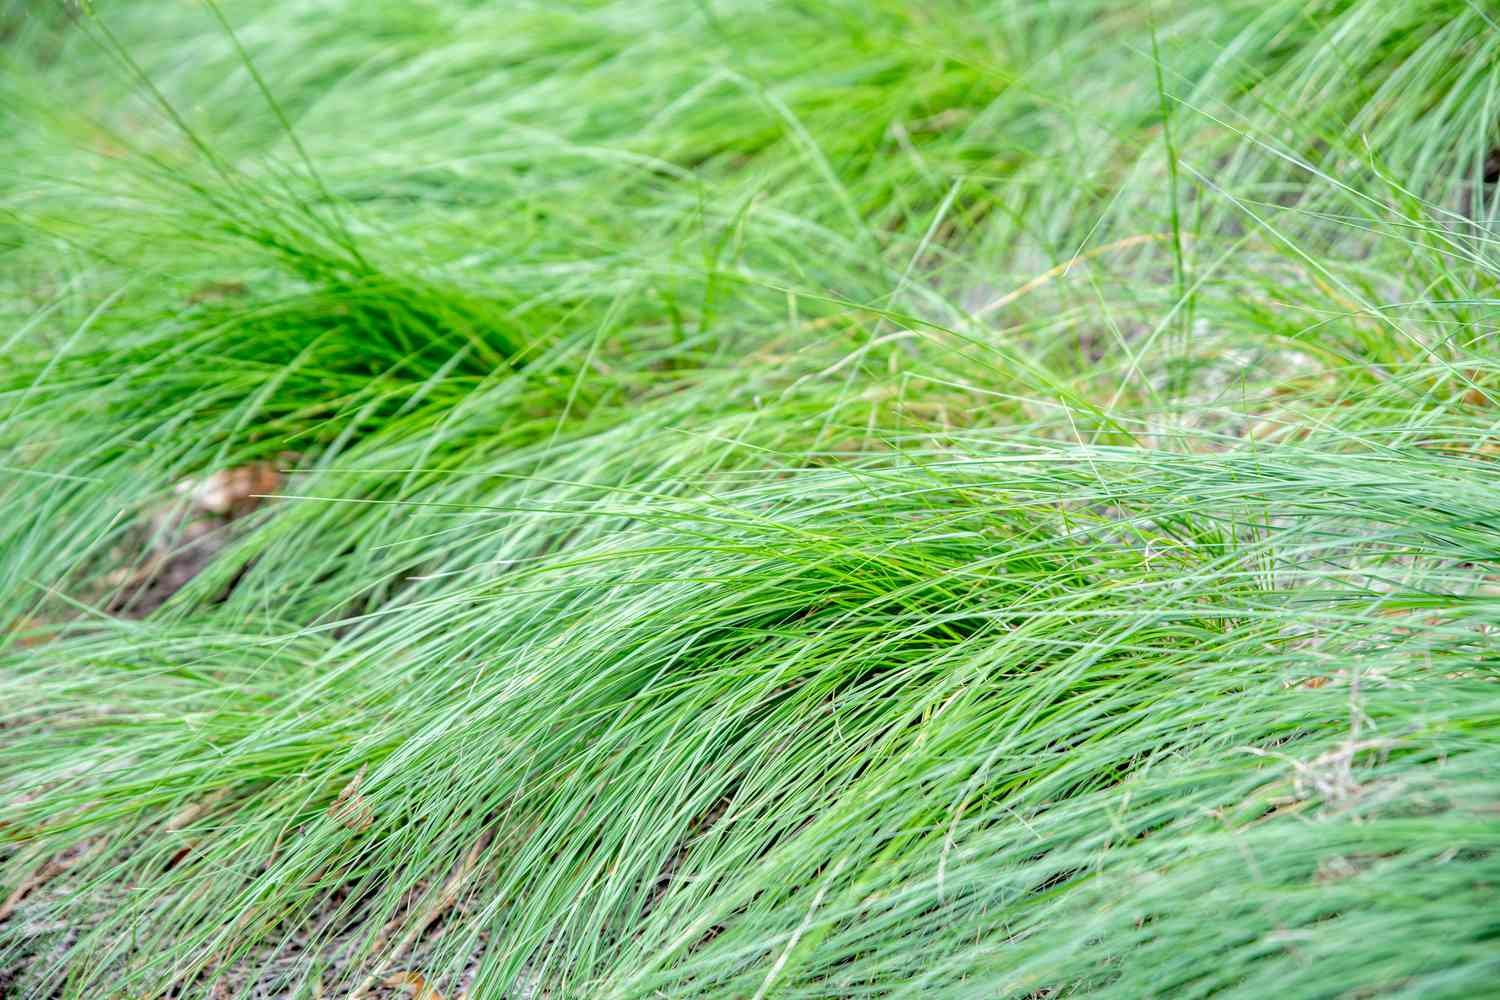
(811, 499)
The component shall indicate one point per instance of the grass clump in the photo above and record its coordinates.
(640, 499)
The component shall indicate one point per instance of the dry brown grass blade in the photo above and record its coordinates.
(219, 291)
(186, 817)
(446, 897)
(46, 873)
(194, 811)
(1063, 268)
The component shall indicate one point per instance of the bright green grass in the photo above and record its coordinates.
(795, 499)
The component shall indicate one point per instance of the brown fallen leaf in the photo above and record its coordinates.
(414, 982)
(33, 633)
(183, 536)
(1475, 394)
(232, 492)
(350, 809)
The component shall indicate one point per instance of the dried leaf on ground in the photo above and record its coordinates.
(233, 492)
(447, 896)
(180, 541)
(32, 633)
(415, 983)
